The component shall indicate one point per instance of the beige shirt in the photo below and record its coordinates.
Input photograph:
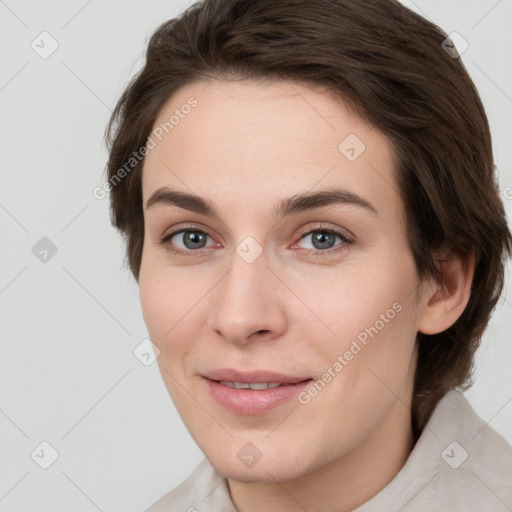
(459, 464)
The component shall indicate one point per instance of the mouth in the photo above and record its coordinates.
(254, 393)
(255, 386)
(252, 377)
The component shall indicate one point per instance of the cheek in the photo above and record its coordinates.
(161, 294)
(372, 318)
(164, 310)
(367, 362)
(171, 305)
(153, 304)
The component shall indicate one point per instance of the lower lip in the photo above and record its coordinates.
(252, 402)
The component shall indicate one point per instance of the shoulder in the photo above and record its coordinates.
(475, 462)
(459, 463)
(204, 489)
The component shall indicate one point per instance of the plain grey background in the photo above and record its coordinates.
(69, 310)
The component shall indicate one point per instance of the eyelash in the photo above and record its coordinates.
(309, 252)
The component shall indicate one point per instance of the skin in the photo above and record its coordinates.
(245, 147)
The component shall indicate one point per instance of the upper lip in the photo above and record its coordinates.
(232, 375)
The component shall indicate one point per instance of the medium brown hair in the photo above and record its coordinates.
(388, 64)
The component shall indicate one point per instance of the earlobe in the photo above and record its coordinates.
(445, 302)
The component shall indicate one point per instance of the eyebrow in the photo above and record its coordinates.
(292, 205)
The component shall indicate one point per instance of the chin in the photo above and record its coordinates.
(261, 473)
(271, 467)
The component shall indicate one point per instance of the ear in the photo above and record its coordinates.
(445, 302)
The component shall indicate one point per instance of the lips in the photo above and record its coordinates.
(254, 392)
(254, 376)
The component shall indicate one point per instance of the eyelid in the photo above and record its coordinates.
(303, 231)
(345, 235)
(184, 227)
(165, 239)
(322, 226)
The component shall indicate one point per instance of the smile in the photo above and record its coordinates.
(253, 398)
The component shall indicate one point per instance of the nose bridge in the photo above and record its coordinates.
(245, 301)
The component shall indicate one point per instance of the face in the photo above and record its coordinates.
(288, 265)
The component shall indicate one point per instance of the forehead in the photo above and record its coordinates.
(255, 143)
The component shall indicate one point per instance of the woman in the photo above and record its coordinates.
(308, 197)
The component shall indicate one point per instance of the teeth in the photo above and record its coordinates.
(259, 385)
(250, 385)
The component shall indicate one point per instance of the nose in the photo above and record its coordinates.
(248, 303)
